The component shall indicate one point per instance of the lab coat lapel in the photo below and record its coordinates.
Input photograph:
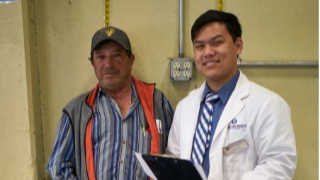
(234, 104)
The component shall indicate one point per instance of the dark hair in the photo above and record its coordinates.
(127, 51)
(230, 20)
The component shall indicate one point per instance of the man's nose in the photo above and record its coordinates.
(108, 61)
(209, 51)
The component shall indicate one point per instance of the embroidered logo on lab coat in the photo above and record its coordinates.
(234, 126)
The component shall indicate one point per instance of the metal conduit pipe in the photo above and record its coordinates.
(181, 51)
(240, 62)
(278, 64)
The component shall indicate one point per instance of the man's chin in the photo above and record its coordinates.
(108, 84)
(210, 75)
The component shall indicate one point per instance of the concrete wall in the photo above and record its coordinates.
(44, 46)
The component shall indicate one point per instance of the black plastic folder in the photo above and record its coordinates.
(169, 168)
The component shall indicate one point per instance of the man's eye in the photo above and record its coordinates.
(216, 43)
(100, 56)
(199, 46)
(117, 55)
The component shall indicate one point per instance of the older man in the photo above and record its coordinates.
(99, 131)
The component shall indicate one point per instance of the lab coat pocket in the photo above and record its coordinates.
(235, 147)
(234, 165)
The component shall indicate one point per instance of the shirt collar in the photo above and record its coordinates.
(134, 95)
(225, 92)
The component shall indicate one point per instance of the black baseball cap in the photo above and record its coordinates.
(110, 33)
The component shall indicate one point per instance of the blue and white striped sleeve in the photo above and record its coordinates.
(168, 113)
(61, 164)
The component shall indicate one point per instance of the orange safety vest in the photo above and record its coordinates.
(145, 95)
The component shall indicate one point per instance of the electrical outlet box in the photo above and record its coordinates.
(181, 69)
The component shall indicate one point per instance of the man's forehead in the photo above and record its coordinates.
(214, 25)
(112, 45)
(211, 31)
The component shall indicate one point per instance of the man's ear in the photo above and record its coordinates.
(132, 58)
(91, 60)
(239, 45)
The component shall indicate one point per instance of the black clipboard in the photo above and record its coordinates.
(169, 168)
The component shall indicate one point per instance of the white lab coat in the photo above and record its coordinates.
(261, 118)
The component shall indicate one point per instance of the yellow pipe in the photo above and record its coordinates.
(220, 5)
(107, 13)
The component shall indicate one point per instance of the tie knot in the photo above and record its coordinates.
(211, 97)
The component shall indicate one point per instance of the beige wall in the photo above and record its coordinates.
(44, 46)
(18, 156)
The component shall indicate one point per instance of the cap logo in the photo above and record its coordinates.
(108, 31)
